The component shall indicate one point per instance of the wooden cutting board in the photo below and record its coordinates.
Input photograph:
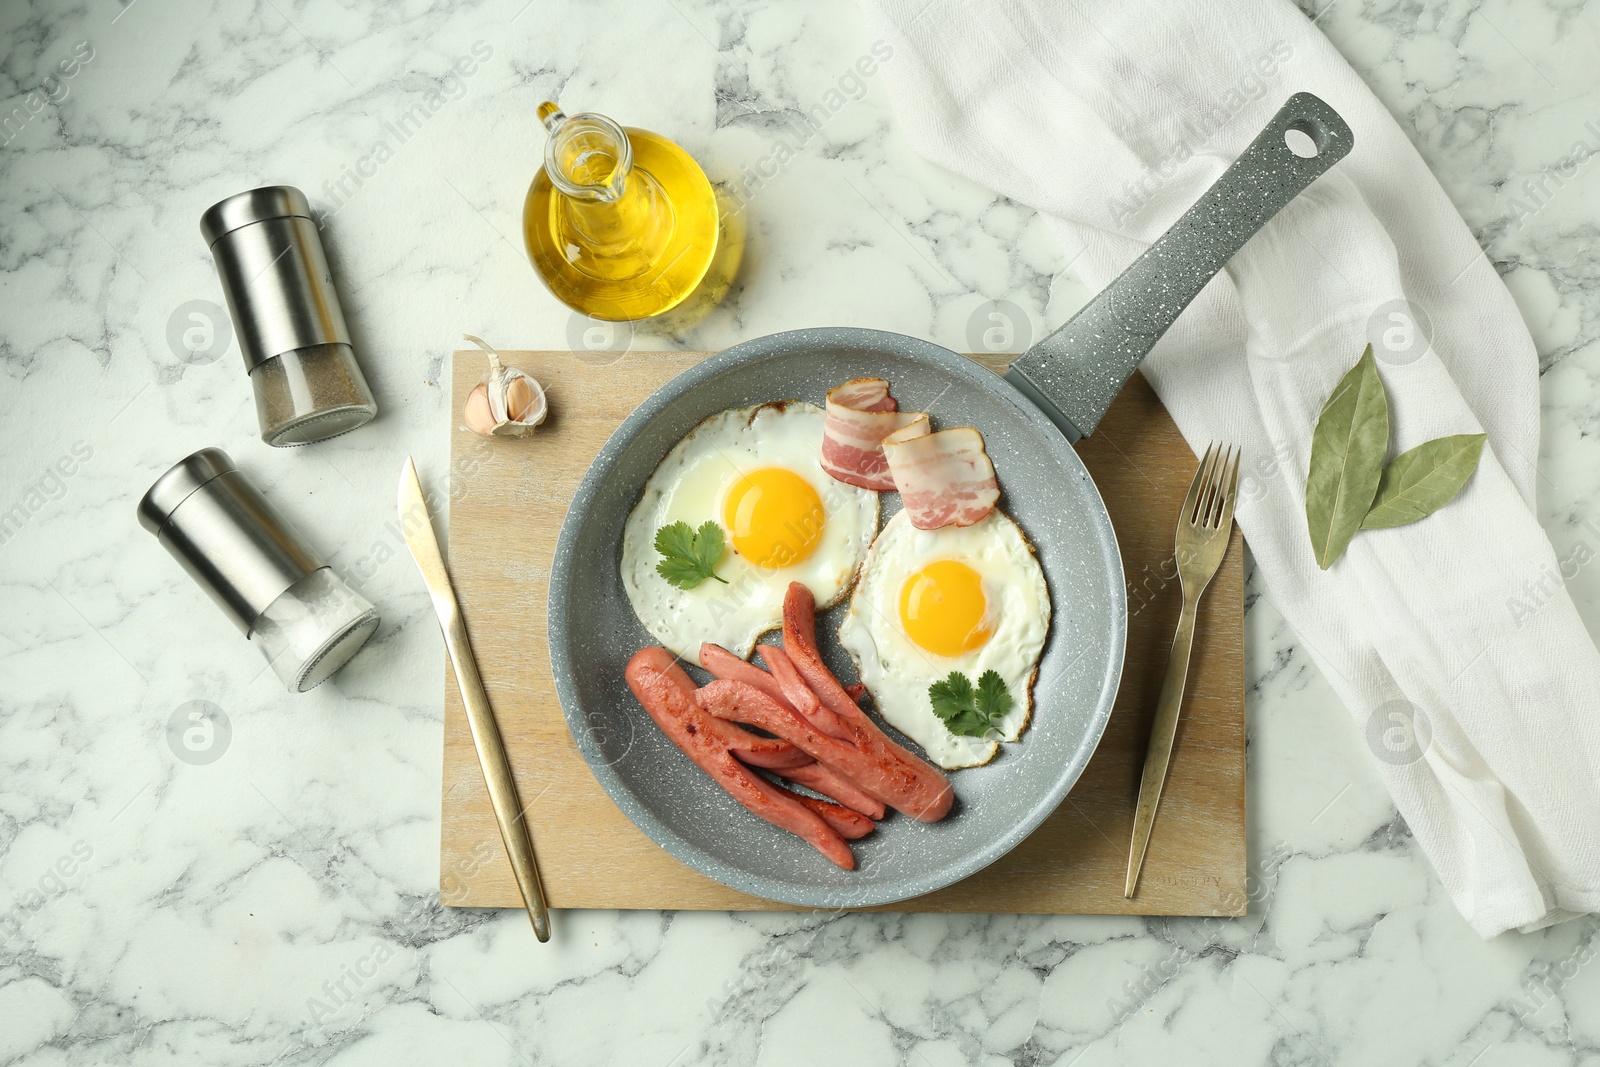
(507, 501)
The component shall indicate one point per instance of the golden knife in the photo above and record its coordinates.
(508, 810)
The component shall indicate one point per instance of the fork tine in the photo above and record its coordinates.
(1205, 474)
(1219, 488)
(1208, 493)
(1213, 475)
(1232, 492)
(1225, 490)
(1192, 501)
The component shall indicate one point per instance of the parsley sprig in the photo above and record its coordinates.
(969, 713)
(689, 556)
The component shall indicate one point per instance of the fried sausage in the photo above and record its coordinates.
(659, 684)
(933, 793)
(876, 770)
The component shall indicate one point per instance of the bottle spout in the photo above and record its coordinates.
(588, 156)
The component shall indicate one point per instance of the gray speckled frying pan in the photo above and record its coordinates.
(1053, 394)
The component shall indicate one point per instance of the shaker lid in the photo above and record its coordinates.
(253, 205)
(174, 487)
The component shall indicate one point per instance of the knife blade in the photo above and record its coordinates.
(417, 527)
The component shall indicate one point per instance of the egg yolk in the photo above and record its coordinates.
(943, 609)
(774, 517)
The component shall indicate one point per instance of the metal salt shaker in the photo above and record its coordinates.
(258, 569)
(297, 349)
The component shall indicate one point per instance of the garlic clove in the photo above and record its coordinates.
(522, 398)
(507, 403)
(480, 419)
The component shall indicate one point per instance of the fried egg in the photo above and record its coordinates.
(756, 472)
(929, 602)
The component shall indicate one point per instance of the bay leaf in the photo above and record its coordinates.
(1347, 450)
(1420, 481)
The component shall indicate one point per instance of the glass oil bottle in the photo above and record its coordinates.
(622, 224)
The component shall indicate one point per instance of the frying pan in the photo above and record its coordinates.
(1053, 394)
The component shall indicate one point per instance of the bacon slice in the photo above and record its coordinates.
(858, 415)
(665, 691)
(944, 478)
(919, 789)
(864, 394)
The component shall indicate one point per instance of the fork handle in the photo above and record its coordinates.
(1162, 733)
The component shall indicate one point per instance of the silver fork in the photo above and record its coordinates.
(1202, 541)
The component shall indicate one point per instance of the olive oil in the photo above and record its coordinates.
(621, 223)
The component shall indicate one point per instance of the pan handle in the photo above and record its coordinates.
(1075, 373)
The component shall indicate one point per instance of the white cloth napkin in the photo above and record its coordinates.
(1451, 641)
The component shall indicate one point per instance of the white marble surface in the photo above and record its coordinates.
(279, 904)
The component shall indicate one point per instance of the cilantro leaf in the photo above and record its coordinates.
(689, 556)
(966, 713)
(952, 696)
(675, 540)
(994, 700)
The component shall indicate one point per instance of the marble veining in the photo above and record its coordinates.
(277, 903)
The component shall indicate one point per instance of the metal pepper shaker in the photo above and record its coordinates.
(258, 569)
(297, 350)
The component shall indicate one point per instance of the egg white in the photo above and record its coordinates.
(898, 671)
(691, 484)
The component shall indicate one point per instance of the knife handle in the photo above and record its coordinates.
(1074, 374)
(508, 810)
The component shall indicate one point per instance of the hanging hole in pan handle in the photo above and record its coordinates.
(1312, 130)
(1301, 136)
